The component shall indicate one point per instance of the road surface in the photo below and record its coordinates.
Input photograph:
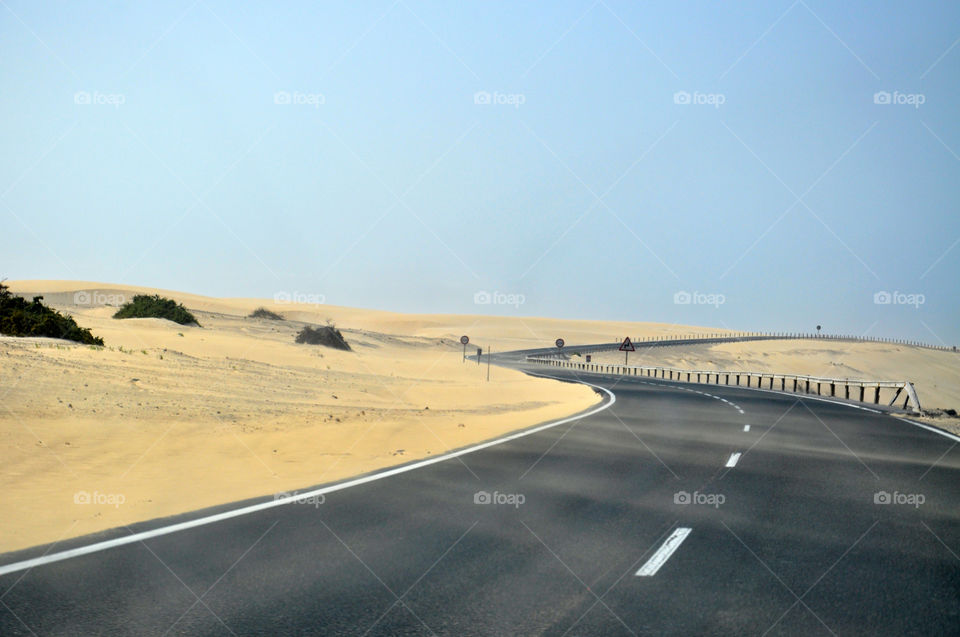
(676, 510)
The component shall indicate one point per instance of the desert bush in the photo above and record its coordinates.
(264, 313)
(146, 306)
(19, 317)
(326, 335)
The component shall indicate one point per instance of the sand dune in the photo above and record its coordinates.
(501, 332)
(174, 418)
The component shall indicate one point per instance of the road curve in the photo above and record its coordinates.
(679, 510)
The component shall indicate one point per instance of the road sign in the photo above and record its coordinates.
(560, 342)
(626, 347)
(464, 340)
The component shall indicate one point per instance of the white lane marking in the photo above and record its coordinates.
(664, 552)
(746, 427)
(734, 459)
(933, 429)
(694, 391)
(300, 497)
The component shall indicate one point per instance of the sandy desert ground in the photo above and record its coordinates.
(172, 418)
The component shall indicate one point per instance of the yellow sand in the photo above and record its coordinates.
(171, 418)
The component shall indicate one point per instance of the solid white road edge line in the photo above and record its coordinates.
(299, 497)
(663, 553)
(734, 458)
(933, 429)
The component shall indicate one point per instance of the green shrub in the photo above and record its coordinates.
(145, 306)
(19, 317)
(264, 313)
(327, 335)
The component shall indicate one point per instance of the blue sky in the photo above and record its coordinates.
(780, 163)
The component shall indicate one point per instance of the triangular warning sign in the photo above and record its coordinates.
(627, 346)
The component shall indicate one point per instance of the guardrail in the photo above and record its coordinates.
(813, 385)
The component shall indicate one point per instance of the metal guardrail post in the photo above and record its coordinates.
(912, 395)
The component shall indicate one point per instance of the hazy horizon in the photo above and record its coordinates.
(758, 168)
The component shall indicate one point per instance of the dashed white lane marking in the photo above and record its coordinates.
(703, 393)
(663, 553)
(746, 427)
(734, 458)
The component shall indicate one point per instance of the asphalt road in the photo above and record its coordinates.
(788, 540)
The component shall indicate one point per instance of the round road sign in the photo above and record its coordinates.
(464, 340)
(559, 342)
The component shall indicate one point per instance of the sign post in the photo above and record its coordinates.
(626, 347)
(479, 354)
(463, 341)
